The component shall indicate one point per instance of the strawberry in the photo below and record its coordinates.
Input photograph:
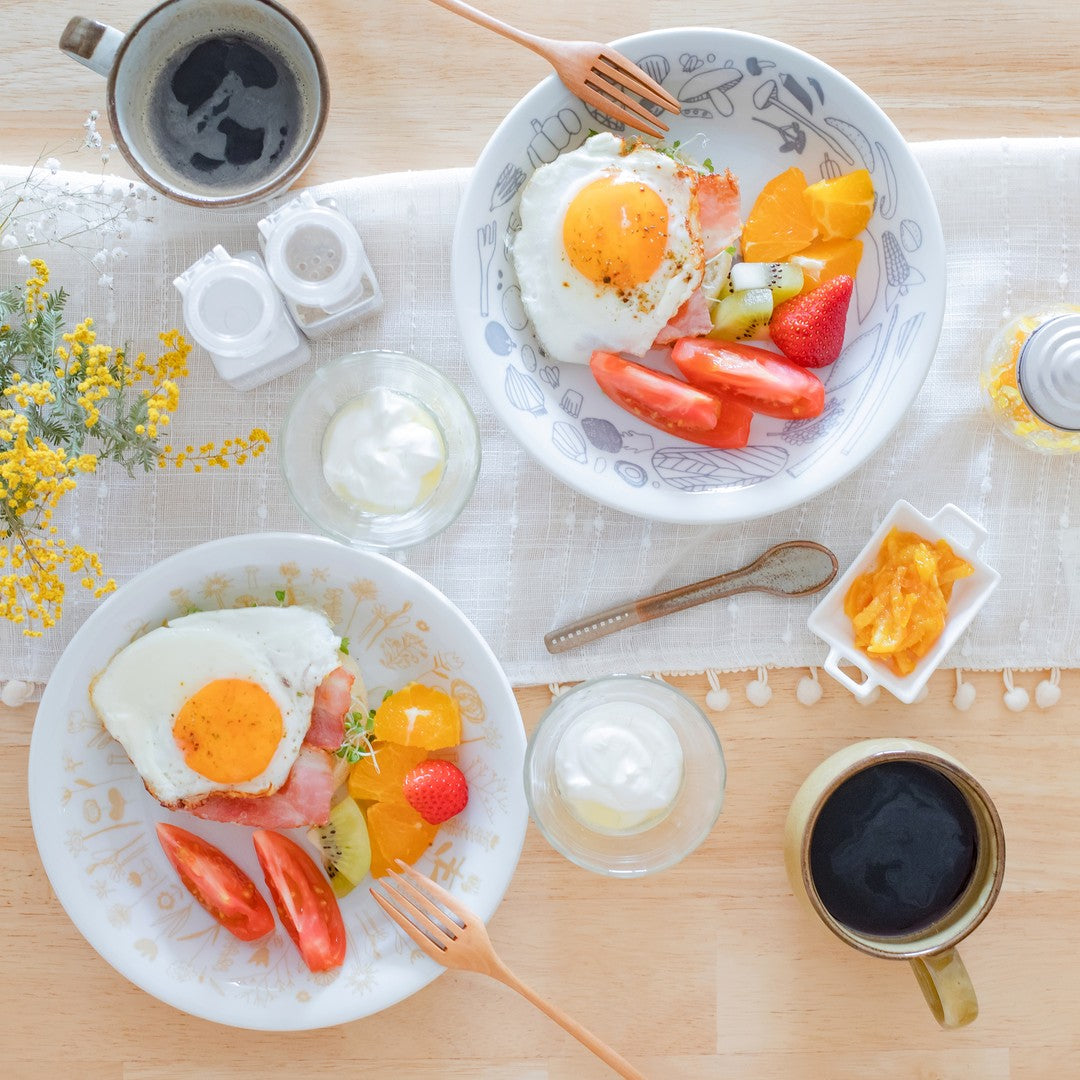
(809, 329)
(436, 790)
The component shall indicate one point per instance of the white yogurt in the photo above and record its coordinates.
(383, 453)
(619, 766)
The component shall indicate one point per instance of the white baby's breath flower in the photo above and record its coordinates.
(100, 258)
(105, 281)
(9, 241)
(53, 165)
(23, 261)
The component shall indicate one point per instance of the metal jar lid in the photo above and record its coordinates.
(1048, 372)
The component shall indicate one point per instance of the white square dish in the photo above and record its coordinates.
(829, 622)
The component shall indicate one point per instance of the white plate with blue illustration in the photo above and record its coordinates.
(756, 107)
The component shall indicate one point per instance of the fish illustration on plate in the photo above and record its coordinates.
(689, 469)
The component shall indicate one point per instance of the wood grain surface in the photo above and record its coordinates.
(710, 969)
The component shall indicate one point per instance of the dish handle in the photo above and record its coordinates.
(951, 514)
(861, 690)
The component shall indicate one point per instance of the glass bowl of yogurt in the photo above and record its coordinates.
(624, 775)
(380, 450)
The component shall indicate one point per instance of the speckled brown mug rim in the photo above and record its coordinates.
(277, 183)
(968, 786)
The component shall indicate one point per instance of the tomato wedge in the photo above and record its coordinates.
(752, 377)
(217, 883)
(304, 900)
(671, 405)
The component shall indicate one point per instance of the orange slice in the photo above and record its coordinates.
(825, 259)
(841, 205)
(396, 831)
(418, 715)
(779, 222)
(380, 778)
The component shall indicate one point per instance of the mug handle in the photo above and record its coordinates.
(92, 43)
(947, 988)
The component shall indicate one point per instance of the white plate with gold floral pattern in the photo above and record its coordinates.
(94, 821)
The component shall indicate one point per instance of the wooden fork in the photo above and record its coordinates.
(593, 72)
(452, 935)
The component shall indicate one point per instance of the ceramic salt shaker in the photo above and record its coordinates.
(233, 310)
(316, 258)
(1031, 376)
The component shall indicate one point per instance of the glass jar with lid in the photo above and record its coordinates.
(1031, 379)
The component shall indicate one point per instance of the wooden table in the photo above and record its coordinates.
(710, 969)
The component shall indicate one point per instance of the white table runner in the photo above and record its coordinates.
(528, 554)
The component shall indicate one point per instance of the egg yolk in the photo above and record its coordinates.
(228, 730)
(615, 232)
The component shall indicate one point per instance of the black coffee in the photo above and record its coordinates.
(225, 111)
(893, 849)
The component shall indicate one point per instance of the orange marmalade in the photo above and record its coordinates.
(898, 609)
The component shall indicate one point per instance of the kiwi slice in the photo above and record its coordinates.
(784, 280)
(344, 845)
(716, 281)
(742, 315)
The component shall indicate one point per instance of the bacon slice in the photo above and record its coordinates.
(691, 320)
(718, 212)
(304, 798)
(721, 226)
(333, 696)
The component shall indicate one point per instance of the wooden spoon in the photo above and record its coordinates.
(794, 568)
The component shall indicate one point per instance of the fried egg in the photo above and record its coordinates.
(218, 700)
(609, 247)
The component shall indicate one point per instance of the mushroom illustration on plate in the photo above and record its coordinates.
(712, 85)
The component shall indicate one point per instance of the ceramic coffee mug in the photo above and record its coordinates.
(213, 102)
(900, 862)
